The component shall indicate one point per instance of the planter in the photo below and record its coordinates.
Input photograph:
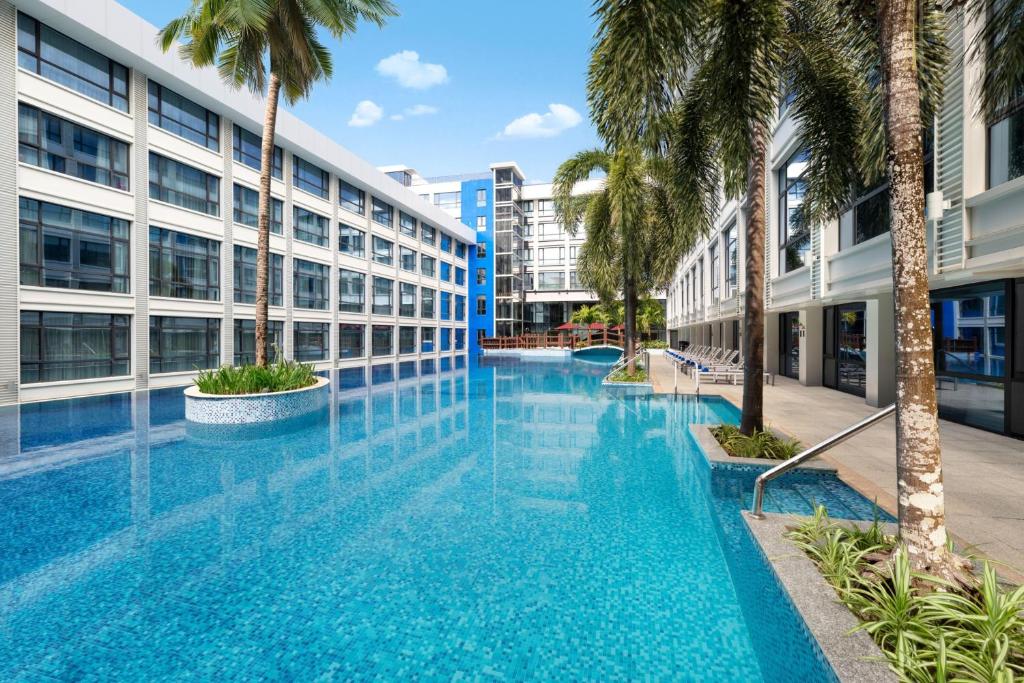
(244, 409)
(716, 456)
(629, 388)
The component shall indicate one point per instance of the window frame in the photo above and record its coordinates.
(208, 138)
(301, 182)
(212, 199)
(169, 251)
(239, 154)
(320, 300)
(239, 214)
(119, 336)
(275, 282)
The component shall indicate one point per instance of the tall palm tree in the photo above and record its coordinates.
(650, 314)
(267, 46)
(633, 240)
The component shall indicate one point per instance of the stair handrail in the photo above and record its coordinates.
(814, 451)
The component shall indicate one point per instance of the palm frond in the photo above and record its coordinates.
(1000, 47)
(570, 207)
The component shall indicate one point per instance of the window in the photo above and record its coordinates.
(175, 183)
(481, 276)
(351, 198)
(446, 305)
(406, 224)
(407, 300)
(481, 249)
(351, 241)
(383, 296)
(427, 265)
(714, 258)
(794, 233)
(550, 231)
(574, 252)
(460, 250)
(460, 276)
(245, 277)
(1006, 145)
(460, 307)
(311, 282)
(545, 206)
(382, 340)
(481, 223)
(351, 291)
(403, 177)
(446, 271)
(183, 117)
(351, 341)
(428, 235)
(446, 243)
(528, 206)
(310, 341)
(574, 280)
(481, 305)
(248, 150)
(245, 340)
(551, 256)
(731, 254)
(406, 340)
(310, 178)
(481, 197)
(427, 339)
(446, 339)
(57, 347)
(407, 258)
(448, 200)
(50, 142)
(310, 227)
(460, 341)
(382, 213)
(183, 266)
(179, 344)
(551, 280)
(70, 248)
(383, 251)
(53, 55)
(427, 303)
(247, 209)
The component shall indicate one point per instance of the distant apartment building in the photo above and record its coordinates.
(830, 315)
(129, 188)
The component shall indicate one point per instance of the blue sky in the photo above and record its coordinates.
(478, 89)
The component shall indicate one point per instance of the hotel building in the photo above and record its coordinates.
(132, 179)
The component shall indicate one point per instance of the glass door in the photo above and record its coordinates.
(851, 348)
(789, 344)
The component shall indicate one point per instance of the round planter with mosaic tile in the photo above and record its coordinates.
(241, 409)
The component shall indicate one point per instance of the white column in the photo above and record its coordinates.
(881, 351)
(771, 343)
(811, 346)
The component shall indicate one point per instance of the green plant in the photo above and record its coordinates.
(761, 444)
(654, 344)
(279, 376)
(624, 375)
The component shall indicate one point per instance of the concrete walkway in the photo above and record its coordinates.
(983, 473)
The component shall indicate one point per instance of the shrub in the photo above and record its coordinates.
(623, 375)
(654, 344)
(763, 444)
(929, 630)
(281, 375)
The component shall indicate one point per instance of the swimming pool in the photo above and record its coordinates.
(502, 520)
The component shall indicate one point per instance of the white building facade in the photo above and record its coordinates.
(829, 307)
(130, 195)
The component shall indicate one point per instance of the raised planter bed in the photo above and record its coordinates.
(629, 388)
(244, 409)
(716, 456)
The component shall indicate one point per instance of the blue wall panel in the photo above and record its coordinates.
(470, 212)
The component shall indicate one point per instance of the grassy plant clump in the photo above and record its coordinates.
(762, 444)
(654, 344)
(624, 375)
(929, 629)
(282, 375)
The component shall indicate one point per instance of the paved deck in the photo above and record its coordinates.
(983, 472)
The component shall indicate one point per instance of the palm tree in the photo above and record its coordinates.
(650, 314)
(632, 242)
(584, 315)
(267, 46)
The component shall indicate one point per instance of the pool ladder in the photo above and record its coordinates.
(812, 452)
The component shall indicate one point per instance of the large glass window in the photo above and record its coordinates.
(351, 241)
(247, 209)
(551, 280)
(1006, 147)
(794, 231)
(427, 296)
(54, 56)
(71, 248)
(245, 340)
(460, 276)
(481, 305)
(183, 266)
(460, 307)
(428, 234)
(407, 300)
(351, 291)
(446, 271)
(58, 346)
(183, 117)
(311, 341)
(406, 224)
(383, 213)
(383, 251)
(427, 335)
(446, 305)
(732, 263)
(383, 296)
(312, 285)
(59, 145)
(351, 340)
(248, 150)
(481, 276)
(407, 259)
(460, 341)
(427, 265)
(179, 344)
(310, 227)
(245, 277)
(446, 243)
(383, 341)
(446, 339)
(311, 178)
(460, 249)
(175, 183)
(716, 274)
(481, 197)
(451, 201)
(351, 198)
(406, 339)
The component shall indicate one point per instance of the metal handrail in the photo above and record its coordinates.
(812, 452)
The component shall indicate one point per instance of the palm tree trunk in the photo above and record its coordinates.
(753, 311)
(918, 456)
(629, 306)
(263, 221)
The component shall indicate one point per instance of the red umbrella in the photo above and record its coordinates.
(567, 326)
(618, 328)
(597, 326)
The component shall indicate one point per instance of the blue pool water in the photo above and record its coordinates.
(503, 520)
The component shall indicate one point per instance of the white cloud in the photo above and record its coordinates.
(558, 118)
(421, 110)
(366, 114)
(396, 117)
(406, 68)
